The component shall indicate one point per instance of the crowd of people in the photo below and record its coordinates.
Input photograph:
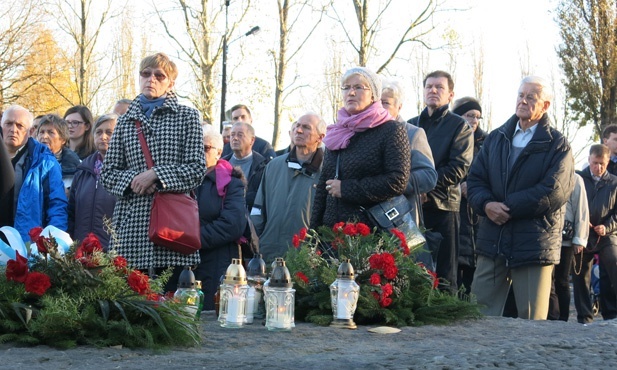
(516, 221)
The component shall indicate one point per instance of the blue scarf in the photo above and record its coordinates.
(148, 105)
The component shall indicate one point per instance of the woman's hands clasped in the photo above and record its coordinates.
(145, 182)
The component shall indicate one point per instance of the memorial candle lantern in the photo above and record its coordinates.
(280, 298)
(344, 297)
(232, 306)
(256, 277)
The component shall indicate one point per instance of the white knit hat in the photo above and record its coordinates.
(373, 79)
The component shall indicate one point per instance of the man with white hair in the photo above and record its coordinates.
(285, 197)
(518, 183)
(37, 197)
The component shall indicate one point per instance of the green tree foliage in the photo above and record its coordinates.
(588, 56)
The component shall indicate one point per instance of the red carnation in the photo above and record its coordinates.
(434, 277)
(139, 282)
(300, 275)
(390, 272)
(90, 244)
(350, 229)
(385, 302)
(338, 227)
(41, 244)
(120, 262)
(337, 243)
(35, 232)
(363, 229)
(375, 279)
(17, 269)
(375, 261)
(375, 295)
(387, 290)
(318, 252)
(302, 233)
(295, 240)
(37, 283)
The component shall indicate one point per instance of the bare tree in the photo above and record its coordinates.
(18, 32)
(84, 23)
(199, 44)
(292, 14)
(123, 53)
(416, 30)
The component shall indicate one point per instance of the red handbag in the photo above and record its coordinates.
(174, 217)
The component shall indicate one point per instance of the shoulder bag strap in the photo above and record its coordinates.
(418, 202)
(144, 145)
(338, 161)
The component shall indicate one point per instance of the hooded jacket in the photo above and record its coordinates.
(602, 200)
(41, 200)
(534, 189)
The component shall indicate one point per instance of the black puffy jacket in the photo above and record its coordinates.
(374, 167)
(534, 189)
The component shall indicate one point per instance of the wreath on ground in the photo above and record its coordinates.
(82, 295)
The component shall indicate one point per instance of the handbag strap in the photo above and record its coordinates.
(144, 145)
(418, 201)
(338, 161)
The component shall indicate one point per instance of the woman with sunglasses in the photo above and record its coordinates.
(173, 135)
(222, 215)
(80, 120)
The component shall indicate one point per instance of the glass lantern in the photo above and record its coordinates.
(280, 298)
(232, 305)
(256, 277)
(344, 297)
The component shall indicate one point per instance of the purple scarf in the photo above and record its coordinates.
(338, 135)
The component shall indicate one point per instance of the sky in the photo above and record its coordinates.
(511, 34)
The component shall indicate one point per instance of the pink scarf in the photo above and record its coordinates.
(223, 176)
(339, 134)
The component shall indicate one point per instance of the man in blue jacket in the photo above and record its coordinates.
(37, 197)
(518, 183)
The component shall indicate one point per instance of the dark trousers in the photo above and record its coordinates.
(447, 224)
(559, 302)
(608, 282)
(581, 283)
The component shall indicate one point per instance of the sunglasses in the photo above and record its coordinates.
(147, 74)
(208, 148)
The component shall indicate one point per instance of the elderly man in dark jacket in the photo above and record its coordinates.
(519, 183)
(451, 142)
(601, 188)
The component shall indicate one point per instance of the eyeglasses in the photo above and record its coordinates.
(208, 148)
(74, 123)
(472, 116)
(147, 74)
(356, 88)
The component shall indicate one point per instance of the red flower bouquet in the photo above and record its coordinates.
(394, 289)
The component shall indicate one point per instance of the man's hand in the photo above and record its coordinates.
(464, 189)
(497, 212)
(577, 248)
(144, 183)
(600, 230)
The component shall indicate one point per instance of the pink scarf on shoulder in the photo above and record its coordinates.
(339, 134)
(223, 176)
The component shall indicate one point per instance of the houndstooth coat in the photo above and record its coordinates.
(174, 135)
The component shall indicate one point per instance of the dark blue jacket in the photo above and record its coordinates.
(89, 203)
(254, 177)
(602, 200)
(535, 189)
(222, 222)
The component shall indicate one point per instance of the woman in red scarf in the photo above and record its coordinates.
(367, 156)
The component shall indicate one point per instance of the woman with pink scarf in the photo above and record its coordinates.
(367, 157)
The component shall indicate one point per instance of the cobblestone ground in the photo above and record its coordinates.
(486, 343)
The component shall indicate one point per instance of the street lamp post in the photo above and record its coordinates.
(226, 44)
